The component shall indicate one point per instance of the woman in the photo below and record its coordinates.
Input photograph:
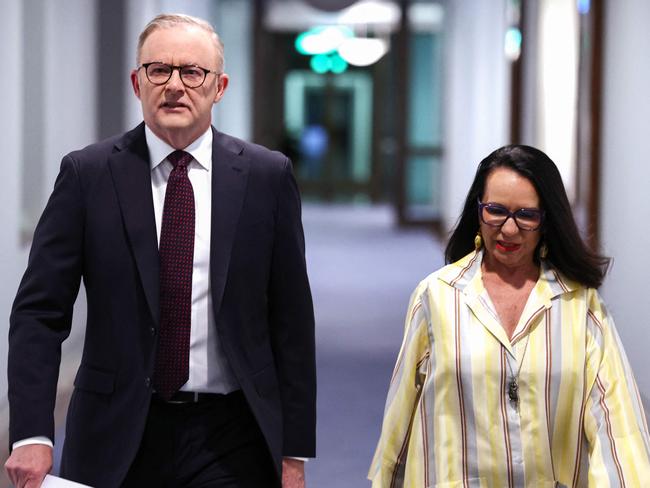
(511, 373)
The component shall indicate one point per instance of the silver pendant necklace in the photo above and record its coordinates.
(513, 384)
(513, 391)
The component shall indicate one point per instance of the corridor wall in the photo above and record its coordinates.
(49, 109)
(625, 178)
(476, 87)
(12, 255)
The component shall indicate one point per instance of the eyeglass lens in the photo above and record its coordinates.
(525, 218)
(159, 73)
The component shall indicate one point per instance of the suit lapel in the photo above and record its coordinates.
(229, 176)
(131, 172)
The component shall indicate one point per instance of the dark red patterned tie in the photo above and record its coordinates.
(176, 259)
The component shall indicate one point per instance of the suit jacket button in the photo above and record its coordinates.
(153, 331)
(147, 382)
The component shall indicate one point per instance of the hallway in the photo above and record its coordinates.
(362, 271)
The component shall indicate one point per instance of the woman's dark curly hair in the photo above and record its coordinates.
(567, 252)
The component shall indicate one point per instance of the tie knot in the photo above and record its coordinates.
(179, 157)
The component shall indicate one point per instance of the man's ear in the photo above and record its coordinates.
(135, 82)
(222, 84)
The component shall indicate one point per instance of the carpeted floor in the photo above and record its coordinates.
(362, 271)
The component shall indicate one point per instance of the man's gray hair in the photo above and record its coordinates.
(165, 21)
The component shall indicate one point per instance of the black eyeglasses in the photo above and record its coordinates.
(495, 215)
(192, 76)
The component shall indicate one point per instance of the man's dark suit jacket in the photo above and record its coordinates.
(99, 226)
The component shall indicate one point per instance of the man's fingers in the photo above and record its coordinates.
(28, 465)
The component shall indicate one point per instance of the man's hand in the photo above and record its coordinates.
(28, 465)
(293, 473)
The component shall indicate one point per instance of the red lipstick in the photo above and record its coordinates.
(507, 247)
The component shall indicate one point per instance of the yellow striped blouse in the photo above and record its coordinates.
(450, 422)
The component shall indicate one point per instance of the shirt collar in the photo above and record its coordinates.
(200, 149)
(465, 275)
(466, 272)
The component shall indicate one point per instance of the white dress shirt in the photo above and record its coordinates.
(209, 370)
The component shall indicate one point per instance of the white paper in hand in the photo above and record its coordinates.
(56, 482)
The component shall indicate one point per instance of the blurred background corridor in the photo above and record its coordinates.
(386, 108)
(360, 307)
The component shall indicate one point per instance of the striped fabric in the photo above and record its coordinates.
(449, 421)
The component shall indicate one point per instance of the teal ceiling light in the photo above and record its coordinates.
(337, 64)
(322, 40)
(320, 63)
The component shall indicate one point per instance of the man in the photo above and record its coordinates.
(198, 364)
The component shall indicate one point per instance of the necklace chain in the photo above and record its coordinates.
(513, 384)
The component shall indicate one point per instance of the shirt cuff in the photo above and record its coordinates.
(41, 439)
(304, 460)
